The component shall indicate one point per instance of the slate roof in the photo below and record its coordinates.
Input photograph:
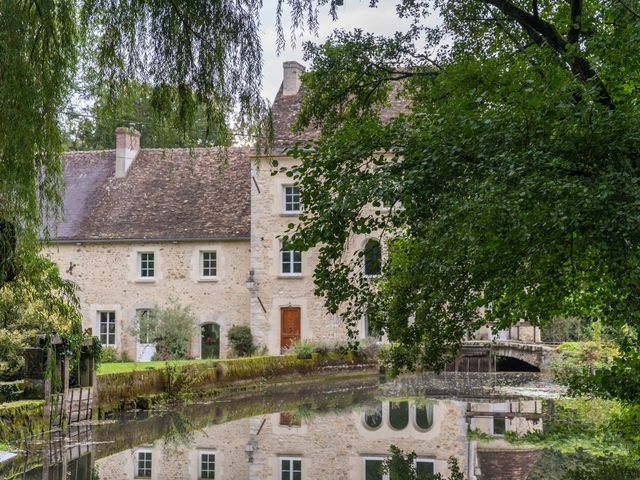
(285, 108)
(167, 194)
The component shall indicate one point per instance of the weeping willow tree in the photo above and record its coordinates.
(198, 57)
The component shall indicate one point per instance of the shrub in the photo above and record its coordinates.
(108, 355)
(12, 345)
(302, 349)
(241, 341)
(171, 329)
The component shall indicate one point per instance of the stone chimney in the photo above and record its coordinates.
(291, 77)
(127, 149)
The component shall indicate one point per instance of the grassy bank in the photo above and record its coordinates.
(140, 388)
(123, 367)
(21, 418)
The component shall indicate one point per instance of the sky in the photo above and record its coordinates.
(381, 20)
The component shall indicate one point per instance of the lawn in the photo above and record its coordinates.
(119, 367)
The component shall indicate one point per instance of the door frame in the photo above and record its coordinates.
(282, 311)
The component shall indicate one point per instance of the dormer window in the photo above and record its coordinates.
(291, 199)
(146, 265)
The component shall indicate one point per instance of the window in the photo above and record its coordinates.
(372, 258)
(373, 417)
(292, 199)
(207, 465)
(147, 264)
(107, 327)
(398, 415)
(145, 327)
(143, 464)
(291, 262)
(372, 469)
(291, 468)
(425, 469)
(423, 416)
(369, 331)
(499, 425)
(209, 264)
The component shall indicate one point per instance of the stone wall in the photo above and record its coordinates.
(273, 290)
(107, 275)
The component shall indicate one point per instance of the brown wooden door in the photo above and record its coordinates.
(289, 326)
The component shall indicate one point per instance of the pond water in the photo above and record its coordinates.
(339, 430)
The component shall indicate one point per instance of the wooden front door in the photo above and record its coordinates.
(289, 326)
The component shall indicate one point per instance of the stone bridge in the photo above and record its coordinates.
(482, 354)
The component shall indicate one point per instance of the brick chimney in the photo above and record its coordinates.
(291, 77)
(127, 149)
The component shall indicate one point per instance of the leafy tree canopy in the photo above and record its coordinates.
(511, 176)
(200, 59)
(135, 107)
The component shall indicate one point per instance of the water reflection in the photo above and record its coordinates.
(339, 431)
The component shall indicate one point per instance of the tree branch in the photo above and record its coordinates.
(629, 9)
(576, 21)
(543, 32)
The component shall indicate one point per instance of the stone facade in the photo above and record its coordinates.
(108, 276)
(176, 203)
(338, 445)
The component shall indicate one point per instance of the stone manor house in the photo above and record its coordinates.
(199, 226)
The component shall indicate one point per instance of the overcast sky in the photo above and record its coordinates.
(354, 14)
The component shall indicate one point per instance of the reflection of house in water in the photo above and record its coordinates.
(497, 459)
(345, 445)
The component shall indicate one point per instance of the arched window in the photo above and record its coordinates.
(210, 340)
(398, 415)
(423, 416)
(373, 418)
(372, 258)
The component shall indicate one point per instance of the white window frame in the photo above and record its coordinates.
(377, 458)
(109, 336)
(202, 267)
(285, 203)
(290, 460)
(136, 471)
(291, 262)
(424, 460)
(206, 452)
(153, 267)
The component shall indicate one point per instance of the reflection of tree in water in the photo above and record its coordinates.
(178, 429)
(587, 438)
(583, 466)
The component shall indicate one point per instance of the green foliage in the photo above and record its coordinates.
(567, 329)
(108, 355)
(302, 349)
(399, 465)
(574, 360)
(170, 328)
(511, 175)
(134, 107)
(193, 65)
(241, 341)
(36, 302)
(603, 431)
(38, 53)
(178, 381)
